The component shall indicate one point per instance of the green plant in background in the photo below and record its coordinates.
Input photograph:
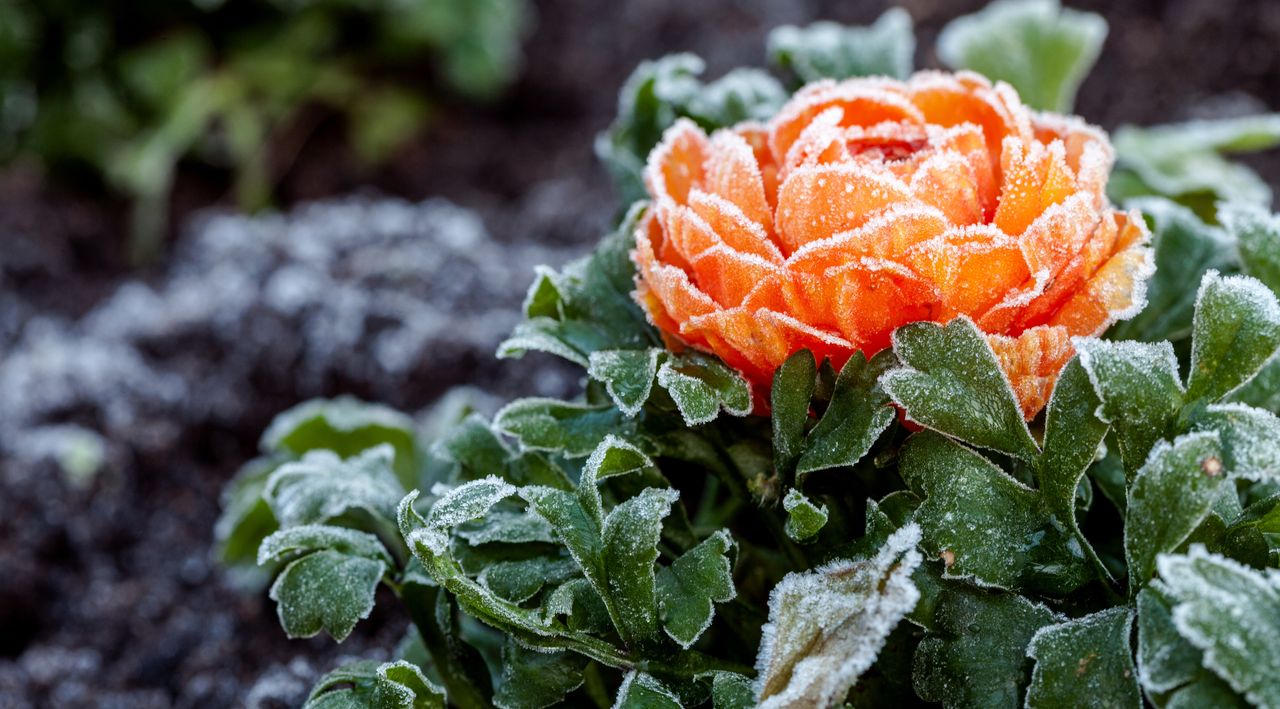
(124, 93)
(651, 543)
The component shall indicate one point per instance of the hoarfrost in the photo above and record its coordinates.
(369, 293)
(827, 626)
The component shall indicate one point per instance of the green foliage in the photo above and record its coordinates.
(635, 546)
(369, 685)
(827, 50)
(1040, 48)
(220, 83)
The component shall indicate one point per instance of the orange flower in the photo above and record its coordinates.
(871, 203)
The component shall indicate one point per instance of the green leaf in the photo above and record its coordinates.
(986, 525)
(1085, 663)
(627, 375)
(369, 685)
(1257, 234)
(826, 626)
(322, 487)
(1073, 434)
(508, 528)
(643, 691)
(1185, 248)
(827, 50)
(1263, 391)
(326, 590)
(793, 385)
(730, 690)
(467, 502)
(587, 305)
(630, 540)
(701, 386)
(976, 655)
(689, 588)
(613, 456)
(1184, 161)
(346, 426)
(1206, 691)
(1140, 391)
(953, 384)
(1041, 48)
(1250, 439)
(534, 680)
(296, 541)
(1169, 497)
(858, 413)
(1237, 330)
(246, 518)
(743, 94)
(1166, 660)
(804, 519)
(1232, 613)
(558, 426)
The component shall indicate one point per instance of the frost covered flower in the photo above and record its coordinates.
(871, 203)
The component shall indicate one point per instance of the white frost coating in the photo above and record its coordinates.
(669, 377)
(827, 626)
(468, 502)
(1232, 613)
(1142, 356)
(1250, 435)
(637, 680)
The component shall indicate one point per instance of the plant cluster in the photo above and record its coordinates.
(892, 530)
(121, 92)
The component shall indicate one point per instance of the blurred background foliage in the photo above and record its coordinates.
(116, 93)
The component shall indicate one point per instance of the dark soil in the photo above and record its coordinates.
(108, 596)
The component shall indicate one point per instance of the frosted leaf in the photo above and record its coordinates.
(1140, 390)
(518, 581)
(702, 387)
(1236, 331)
(1170, 496)
(688, 587)
(827, 50)
(986, 525)
(627, 375)
(953, 384)
(804, 519)
(322, 486)
(1232, 613)
(326, 590)
(1257, 233)
(855, 417)
(643, 691)
(743, 94)
(613, 456)
(369, 685)
(731, 691)
(468, 501)
(975, 654)
(826, 626)
(1085, 662)
(534, 680)
(1185, 248)
(313, 537)
(1166, 660)
(1250, 439)
(1041, 48)
(792, 389)
(558, 426)
(508, 528)
(630, 549)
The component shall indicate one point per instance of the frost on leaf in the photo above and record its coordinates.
(827, 50)
(1166, 660)
(857, 414)
(346, 426)
(326, 590)
(468, 502)
(1232, 613)
(322, 487)
(804, 519)
(1140, 390)
(1086, 662)
(369, 685)
(701, 386)
(1257, 233)
(644, 691)
(1185, 249)
(985, 524)
(975, 654)
(952, 383)
(689, 587)
(558, 426)
(1236, 331)
(1250, 439)
(1169, 497)
(827, 626)
(793, 385)
(1184, 161)
(627, 375)
(535, 680)
(630, 549)
(1041, 48)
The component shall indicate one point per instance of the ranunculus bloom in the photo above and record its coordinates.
(871, 203)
